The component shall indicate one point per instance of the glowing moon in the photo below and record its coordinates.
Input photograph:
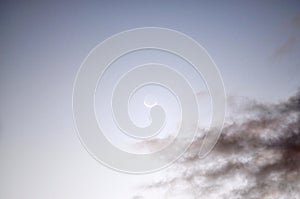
(150, 101)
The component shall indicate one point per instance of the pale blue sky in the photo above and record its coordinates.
(255, 45)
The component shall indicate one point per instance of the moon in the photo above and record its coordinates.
(150, 101)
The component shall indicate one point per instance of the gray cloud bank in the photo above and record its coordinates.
(257, 156)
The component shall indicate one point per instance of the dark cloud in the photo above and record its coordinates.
(257, 156)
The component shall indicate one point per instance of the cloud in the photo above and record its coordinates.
(296, 21)
(257, 156)
(290, 44)
(287, 47)
(138, 197)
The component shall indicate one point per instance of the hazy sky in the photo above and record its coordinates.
(255, 44)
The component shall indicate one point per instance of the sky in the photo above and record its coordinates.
(255, 45)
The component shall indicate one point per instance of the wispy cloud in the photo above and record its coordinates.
(296, 21)
(289, 45)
